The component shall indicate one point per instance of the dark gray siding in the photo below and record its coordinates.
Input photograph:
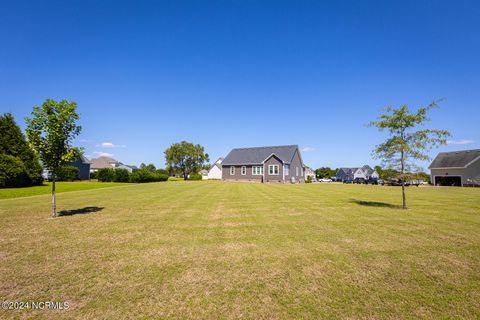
(274, 178)
(296, 163)
(226, 176)
(83, 167)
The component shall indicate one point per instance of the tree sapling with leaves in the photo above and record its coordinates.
(405, 145)
(51, 130)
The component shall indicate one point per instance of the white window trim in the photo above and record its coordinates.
(232, 170)
(258, 171)
(243, 170)
(270, 166)
(287, 169)
(296, 171)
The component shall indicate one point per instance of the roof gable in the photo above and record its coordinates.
(257, 155)
(455, 159)
(103, 162)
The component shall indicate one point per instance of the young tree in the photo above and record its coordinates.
(405, 145)
(50, 130)
(185, 157)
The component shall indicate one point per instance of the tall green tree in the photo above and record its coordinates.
(404, 144)
(51, 130)
(186, 158)
(14, 145)
(149, 167)
(324, 172)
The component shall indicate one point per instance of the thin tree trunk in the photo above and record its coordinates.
(54, 199)
(404, 198)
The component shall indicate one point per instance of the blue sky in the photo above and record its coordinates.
(231, 74)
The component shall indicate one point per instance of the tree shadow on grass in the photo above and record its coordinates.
(375, 204)
(79, 211)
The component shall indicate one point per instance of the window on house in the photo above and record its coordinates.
(296, 171)
(257, 170)
(287, 169)
(232, 170)
(244, 170)
(273, 169)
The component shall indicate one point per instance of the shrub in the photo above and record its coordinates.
(161, 177)
(93, 175)
(13, 172)
(309, 179)
(141, 176)
(68, 173)
(162, 171)
(195, 176)
(121, 175)
(105, 174)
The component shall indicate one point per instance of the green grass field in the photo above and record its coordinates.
(213, 250)
(46, 188)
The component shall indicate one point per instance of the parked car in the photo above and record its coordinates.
(325, 180)
(375, 181)
(359, 180)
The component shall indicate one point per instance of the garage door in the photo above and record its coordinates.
(451, 181)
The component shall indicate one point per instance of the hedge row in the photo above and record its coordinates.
(68, 173)
(122, 175)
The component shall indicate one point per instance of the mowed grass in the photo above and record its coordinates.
(46, 188)
(213, 250)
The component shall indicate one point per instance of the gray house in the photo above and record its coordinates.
(365, 172)
(83, 165)
(458, 168)
(278, 164)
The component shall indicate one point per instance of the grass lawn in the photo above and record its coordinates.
(46, 188)
(213, 250)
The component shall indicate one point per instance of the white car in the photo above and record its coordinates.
(325, 180)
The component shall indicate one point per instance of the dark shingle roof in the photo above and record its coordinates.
(455, 159)
(257, 155)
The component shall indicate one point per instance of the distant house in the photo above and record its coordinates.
(130, 168)
(204, 174)
(310, 173)
(457, 168)
(103, 162)
(215, 171)
(107, 162)
(83, 164)
(365, 172)
(278, 164)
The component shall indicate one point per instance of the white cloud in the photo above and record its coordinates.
(110, 145)
(462, 141)
(103, 154)
(308, 149)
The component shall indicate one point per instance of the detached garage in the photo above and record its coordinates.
(458, 168)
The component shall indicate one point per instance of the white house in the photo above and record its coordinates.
(310, 173)
(215, 172)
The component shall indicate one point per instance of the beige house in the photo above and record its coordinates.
(457, 168)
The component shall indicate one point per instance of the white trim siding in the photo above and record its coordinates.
(243, 170)
(232, 170)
